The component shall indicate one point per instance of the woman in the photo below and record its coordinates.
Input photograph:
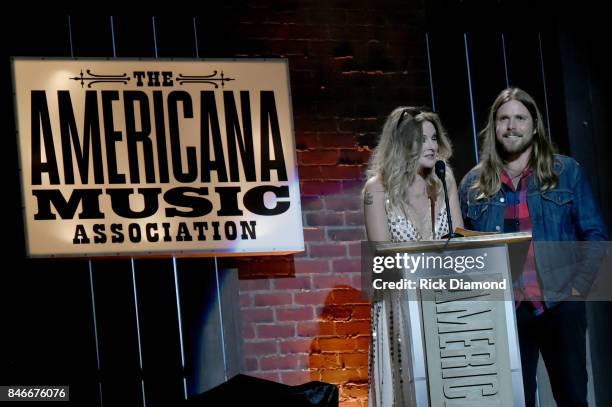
(403, 201)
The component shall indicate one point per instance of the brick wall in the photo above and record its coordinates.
(350, 63)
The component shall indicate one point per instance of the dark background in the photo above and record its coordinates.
(453, 55)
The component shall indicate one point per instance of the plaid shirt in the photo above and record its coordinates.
(516, 219)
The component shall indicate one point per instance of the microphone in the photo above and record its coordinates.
(440, 169)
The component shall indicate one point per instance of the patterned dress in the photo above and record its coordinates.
(390, 347)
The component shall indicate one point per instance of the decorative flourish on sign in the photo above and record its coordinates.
(94, 78)
(209, 79)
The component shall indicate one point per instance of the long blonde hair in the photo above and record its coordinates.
(395, 158)
(491, 164)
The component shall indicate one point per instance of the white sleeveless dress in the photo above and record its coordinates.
(389, 349)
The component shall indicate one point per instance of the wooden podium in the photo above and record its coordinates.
(463, 347)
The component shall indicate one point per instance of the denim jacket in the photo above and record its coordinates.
(565, 213)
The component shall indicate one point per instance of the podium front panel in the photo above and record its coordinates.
(464, 342)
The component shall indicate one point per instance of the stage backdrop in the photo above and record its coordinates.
(151, 157)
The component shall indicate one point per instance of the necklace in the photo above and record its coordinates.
(419, 227)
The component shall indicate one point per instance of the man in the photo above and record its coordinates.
(521, 185)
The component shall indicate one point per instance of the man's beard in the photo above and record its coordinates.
(516, 148)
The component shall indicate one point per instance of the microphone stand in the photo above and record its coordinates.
(440, 169)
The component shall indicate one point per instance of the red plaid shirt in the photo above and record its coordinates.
(516, 219)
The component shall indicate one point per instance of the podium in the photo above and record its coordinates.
(463, 344)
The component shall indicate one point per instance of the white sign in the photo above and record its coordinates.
(138, 157)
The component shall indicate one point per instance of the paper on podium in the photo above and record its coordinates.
(469, 233)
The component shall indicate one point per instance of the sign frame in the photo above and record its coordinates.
(274, 191)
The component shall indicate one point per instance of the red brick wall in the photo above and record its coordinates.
(350, 63)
